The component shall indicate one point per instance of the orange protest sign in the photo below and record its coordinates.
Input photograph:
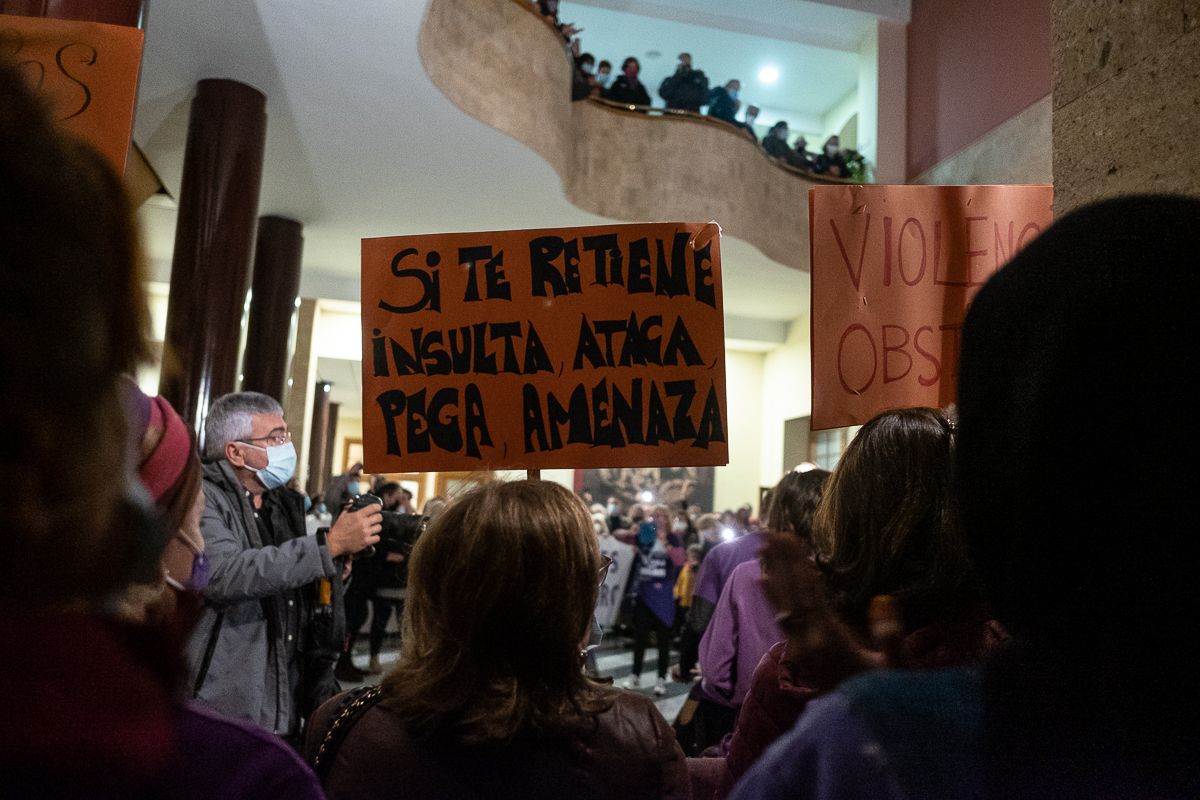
(893, 271)
(87, 70)
(574, 347)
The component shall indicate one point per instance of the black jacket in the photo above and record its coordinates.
(721, 105)
(687, 89)
(624, 90)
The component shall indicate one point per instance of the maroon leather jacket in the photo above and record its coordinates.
(630, 753)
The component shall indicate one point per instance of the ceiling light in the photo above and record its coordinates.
(768, 74)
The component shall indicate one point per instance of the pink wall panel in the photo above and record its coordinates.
(972, 64)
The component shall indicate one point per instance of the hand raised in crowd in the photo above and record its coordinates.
(823, 647)
(355, 530)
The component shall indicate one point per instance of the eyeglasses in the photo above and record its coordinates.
(605, 564)
(274, 439)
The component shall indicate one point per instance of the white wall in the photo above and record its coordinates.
(786, 394)
(738, 482)
(882, 100)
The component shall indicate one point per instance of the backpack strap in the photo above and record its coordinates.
(349, 711)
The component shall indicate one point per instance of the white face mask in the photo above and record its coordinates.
(678, 526)
(831, 149)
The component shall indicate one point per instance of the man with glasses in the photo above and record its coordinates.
(265, 647)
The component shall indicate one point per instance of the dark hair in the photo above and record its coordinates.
(603, 64)
(72, 318)
(887, 524)
(1079, 474)
(626, 62)
(587, 58)
(388, 488)
(501, 590)
(793, 502)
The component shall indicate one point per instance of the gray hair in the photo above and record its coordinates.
(230, 419)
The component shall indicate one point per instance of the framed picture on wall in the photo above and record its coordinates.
(352, 452)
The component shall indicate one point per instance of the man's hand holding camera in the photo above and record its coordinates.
(355, 530)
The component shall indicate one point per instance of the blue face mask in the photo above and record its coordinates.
(307, 504)
(733, 94)
(281, 465)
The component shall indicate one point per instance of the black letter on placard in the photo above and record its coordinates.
(391, 404)
(602, 429)
(536, 357)
(605, 247)
(434, 355)
(587, 346)
(535, 424)
(639, 266)
(706, 290)
(659, 427)
(682, 427)
(431, 286)
(477, 431)
(711, 427)
(680, 344)
(571, 263)
(460, 349)
(485, 363)
(506, 331)
(542, 252)
(406, 363)
(446, 432)
(496, 285)
(418, 423)
(633, 348)
(607, 328)
(379, 354)
(672, 278)
(627, 414)
(575, 416)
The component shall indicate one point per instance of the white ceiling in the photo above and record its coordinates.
(360, 143)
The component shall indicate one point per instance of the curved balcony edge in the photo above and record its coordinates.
(615, 161)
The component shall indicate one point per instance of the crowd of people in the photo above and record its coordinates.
(987, 601)
(687, 89)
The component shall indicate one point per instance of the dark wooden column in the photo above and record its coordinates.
(318, 440)
(113, 12)
(214, 238)
(276, 284)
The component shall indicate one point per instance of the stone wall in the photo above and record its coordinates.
(1126, 99)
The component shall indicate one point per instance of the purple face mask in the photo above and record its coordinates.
(198, 580)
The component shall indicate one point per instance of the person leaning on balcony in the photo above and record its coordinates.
(627, 88)
(748, 125)
(723, 102)
(687, 88)
(775, 142)
(830, 160)
(799, 156)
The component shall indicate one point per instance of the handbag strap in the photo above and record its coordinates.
(349, 711)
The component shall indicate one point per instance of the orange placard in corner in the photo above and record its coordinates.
(894, 269)
(87, 70)
(573, 347)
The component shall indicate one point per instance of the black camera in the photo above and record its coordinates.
(384, 565)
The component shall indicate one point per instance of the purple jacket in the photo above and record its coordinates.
(742, 630)
(719, 563)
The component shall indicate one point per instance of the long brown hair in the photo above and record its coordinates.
(73, 316)
(887, 523)
(501, 590)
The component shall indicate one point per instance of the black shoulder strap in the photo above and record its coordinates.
(349, 711)
(206, 661)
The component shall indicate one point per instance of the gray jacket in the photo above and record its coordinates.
(240, 654)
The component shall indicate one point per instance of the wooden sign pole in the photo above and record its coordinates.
(533, 474)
